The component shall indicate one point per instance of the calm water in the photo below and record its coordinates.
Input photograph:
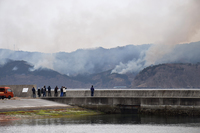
(105, 124)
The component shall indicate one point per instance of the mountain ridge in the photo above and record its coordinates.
(44, 76)
(104, 68)
(179, 75)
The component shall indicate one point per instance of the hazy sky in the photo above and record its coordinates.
(66, 25)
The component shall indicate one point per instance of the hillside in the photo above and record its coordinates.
(163, 76)
(81, 61)
(107, 79)
(169, 76)
(21, 72)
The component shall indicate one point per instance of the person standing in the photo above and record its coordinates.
(33, 90)
(49, 91)
(92, 91)
(56, 91)
(61, 91)
(39, 93)
(44, 91)
(64, 91)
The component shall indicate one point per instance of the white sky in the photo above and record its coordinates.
(67, 25)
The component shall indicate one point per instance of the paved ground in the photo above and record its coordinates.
(28, 104)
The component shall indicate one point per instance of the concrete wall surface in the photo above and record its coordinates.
(177, 93)
(173, 93)
(176, 106)
(148, 101)
(17, 89)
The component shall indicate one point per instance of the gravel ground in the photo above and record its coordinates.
(23, 104)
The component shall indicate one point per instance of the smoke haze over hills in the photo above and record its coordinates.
(96, 28)
(83, 61)
(127, 59)
(181, 28)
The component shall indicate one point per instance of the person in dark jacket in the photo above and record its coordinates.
(56, 91)
(61, 91)
(49, 91)
(42, 91)
(39, 93)
(92, 91)
(33, 90)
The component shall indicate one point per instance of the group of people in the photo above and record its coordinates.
(44, 90)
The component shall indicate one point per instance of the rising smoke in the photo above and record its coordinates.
(131, 58)
(59, 28)
(83, 61)
(179, 29)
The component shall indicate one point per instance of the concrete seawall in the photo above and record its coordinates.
(18, 90)
(148, 101)
(177, 93)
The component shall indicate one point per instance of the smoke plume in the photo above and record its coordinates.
(183, 25)
(52, 26)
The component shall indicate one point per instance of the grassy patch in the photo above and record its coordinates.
(51, 113)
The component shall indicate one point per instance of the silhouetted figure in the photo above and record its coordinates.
(39, 92)
(61, 91)
(56, 91)
(49, 91)
(33, 90)
(44, 91)
(92, 91)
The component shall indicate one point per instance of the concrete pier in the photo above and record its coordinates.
(23, 104)
(148, 101)
(177, 93)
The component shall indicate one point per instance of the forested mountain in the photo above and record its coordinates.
(21, 72)
(169, 76)
(104, 68)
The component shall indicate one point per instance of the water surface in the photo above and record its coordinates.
(105, 124)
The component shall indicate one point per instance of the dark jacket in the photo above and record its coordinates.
(56, 90)
(92, 88)
(33, 89)
(49, 89)
(39, 91)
